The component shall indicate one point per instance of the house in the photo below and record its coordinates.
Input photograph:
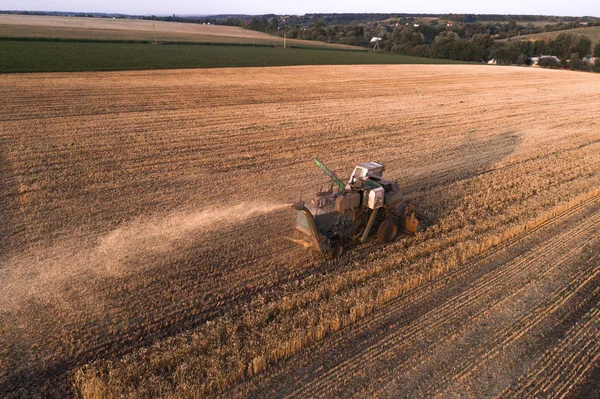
(493, 61)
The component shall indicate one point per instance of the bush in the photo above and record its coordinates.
(351, 40)
(547, 63)
(577, 64)
(596, 67)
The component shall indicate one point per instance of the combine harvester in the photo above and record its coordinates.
(335, 220)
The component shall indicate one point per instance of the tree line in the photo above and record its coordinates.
(463, 37)
(475, 42)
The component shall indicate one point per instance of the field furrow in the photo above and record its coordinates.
(145, 218)
(476, 302)
(561, 367)
(553, 309)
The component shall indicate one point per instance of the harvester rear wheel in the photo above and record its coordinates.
(337, 249)
(387, 231)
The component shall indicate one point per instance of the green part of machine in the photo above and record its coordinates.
(332, 221)
(329, 173)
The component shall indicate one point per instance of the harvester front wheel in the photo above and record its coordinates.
(387, 231)
(337, 249)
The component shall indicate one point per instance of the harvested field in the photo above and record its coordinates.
(143, 249)
(36, 26)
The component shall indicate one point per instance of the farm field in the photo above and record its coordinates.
(143, 249)
(592, 32)
(48, 56)
(70, 44)
(36, 26)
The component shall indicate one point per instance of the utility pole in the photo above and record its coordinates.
(154, 28)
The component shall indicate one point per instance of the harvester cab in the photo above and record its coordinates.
(332, 220)
(366, 170)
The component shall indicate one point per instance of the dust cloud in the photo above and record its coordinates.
(43, 275)
(159, 236)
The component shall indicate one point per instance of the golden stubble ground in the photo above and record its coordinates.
(146, 208)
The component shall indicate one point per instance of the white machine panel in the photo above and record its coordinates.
(376, 196)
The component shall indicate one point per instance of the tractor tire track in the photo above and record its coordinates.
(556, 308)
(560, 369)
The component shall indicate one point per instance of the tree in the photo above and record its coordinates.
(522, 60)
(583, 46)
(429, 33)
(264, 24)
(410, 38)
(505, 54)
(540, 47)
(444, 46)
(527, 48)
(596, 67)
(576, 62)
(597, 50)
(481, 46)
(380, 31)
(318, 32)
(274, 25)
(563, 45)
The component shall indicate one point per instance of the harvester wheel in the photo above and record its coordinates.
(337, 249)
(387, 231)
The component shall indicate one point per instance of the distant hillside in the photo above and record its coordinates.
(62, 27)
(593, 32)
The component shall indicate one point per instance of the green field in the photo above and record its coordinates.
(48, 56)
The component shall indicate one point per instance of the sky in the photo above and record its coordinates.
(207, 7)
